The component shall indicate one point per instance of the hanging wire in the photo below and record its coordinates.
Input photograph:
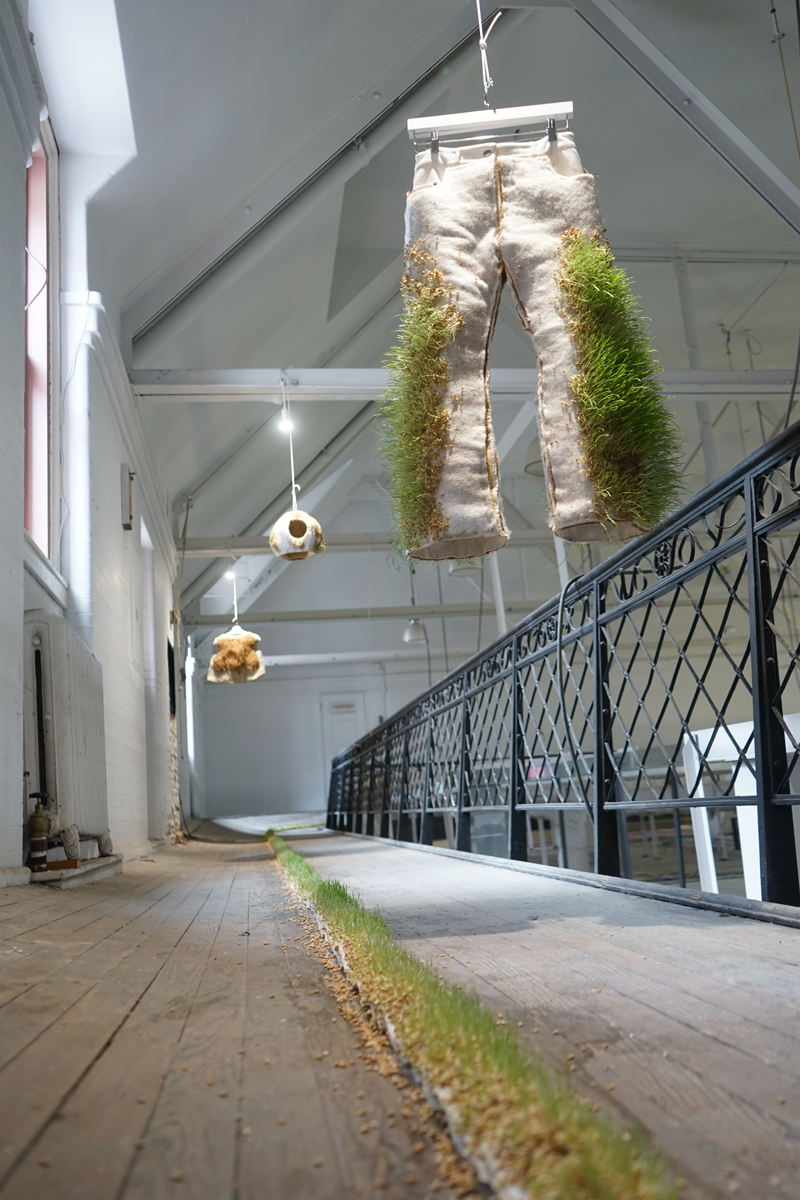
(286, 423)
(441, 602)
(562, 700)
(794, 386)
(232, 577)
(777, 39)
(44, 285)
(176, 621)
(484, 38)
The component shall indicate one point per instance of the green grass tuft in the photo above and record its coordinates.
(631, 441)
(415, 417)
(549, 1142)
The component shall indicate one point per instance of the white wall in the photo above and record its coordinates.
(105, 560)
(261, 744)
(19, 113)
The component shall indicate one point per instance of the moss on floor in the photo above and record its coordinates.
(551, 1143)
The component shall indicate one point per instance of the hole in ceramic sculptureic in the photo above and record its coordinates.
(297, 528)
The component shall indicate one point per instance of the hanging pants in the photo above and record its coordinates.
(493, 214)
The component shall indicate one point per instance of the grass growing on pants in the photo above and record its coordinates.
(631, 441)
(542, 1138)
(415, 415)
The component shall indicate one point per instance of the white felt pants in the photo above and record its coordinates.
(488, 215)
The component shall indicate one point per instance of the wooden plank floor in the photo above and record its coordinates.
(684, 1019)
(168, 1033)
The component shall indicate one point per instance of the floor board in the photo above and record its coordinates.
(137, 1020)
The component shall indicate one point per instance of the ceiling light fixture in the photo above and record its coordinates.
(285, 424)
(414, 631)
(464, 567)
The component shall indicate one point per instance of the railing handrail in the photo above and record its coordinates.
(642, 666)
(717, 490)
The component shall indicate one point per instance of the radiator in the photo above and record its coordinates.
(65, 751)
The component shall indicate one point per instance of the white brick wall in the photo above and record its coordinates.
(12, 382)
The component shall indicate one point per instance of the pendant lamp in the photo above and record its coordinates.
(296, 534)
(415, 632)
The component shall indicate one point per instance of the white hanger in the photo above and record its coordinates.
(475, 126)
(490, 120)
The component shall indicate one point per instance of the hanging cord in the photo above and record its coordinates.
(777, 39)
(484, 38)
(412, 571)
(441, 602)
(562, 701)
(286, 423)
(44, 285)
(235, 597)
(794, 386)
(176, 621)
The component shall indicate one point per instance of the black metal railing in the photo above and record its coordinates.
(666, 678)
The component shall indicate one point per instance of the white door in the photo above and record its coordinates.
(342, 724)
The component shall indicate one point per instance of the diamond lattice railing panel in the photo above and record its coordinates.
(552, 769)
(378, 776)
(782, 615)
(678, 681)
(715, 529)
(395, 752)
(416, 765)
(490, 718)
(445, 760)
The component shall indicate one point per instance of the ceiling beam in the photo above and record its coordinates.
(394, 612)
(341, 543)
(693, 107)
(362, 385)
(320, 465)
(343, 148)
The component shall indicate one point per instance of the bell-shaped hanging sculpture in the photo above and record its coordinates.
(296, 535)
(237, 659)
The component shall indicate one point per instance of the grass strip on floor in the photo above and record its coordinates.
(542, 1138)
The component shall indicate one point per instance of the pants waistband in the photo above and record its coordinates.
(559, 156)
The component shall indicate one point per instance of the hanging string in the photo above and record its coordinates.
(777, 39)
(44, 285)
(286, 423)
(483, 39)
(235, 600)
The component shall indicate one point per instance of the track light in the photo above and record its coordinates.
(230, 574)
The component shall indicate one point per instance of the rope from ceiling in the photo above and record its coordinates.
(483, 38)
(286, 423)
(777, 38)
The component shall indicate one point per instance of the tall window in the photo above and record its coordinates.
(37, 355)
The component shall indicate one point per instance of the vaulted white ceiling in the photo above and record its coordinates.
(218, 256)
